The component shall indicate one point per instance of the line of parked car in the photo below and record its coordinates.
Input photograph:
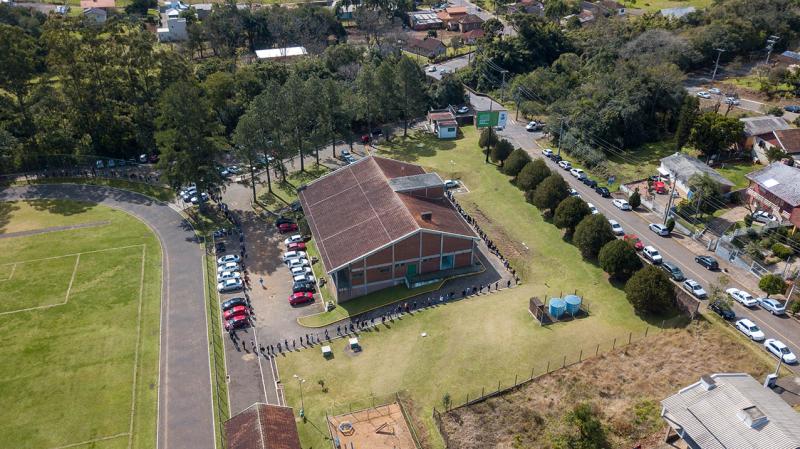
(191, 195)
(236, 311)
(304, 284)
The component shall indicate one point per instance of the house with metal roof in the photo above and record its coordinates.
(443, 123)
(681, 167)
(731, 410)
(677, 13)
(776, 189)
(380, 222)
(758, 131)
(279, 54)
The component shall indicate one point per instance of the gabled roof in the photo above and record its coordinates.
(429, 43)
(791, 55)
(470, 18)
(683, 167)
(755, 126)
(355, 210)
(725, 411)
(677, 13)
(474, 34)
(780, 180)
(788, 139)
(262, 426)
(98, 4)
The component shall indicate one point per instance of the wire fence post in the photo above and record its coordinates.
(645, 331)
(565, 362)
(498, 384)
(515, 380)
(580, 357)
(614, 345)
(548, 367)
(597, 350)
(630, 335)
(531, 372)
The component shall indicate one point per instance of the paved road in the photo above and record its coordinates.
(185, 418)
(745, 104)
(448, 66)
(782, 328)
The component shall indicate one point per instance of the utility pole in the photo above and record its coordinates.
(716, 64)
(503, 86)
(770, 44)
(674, 180)
(517, 101)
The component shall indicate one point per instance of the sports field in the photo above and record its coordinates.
(80, 289)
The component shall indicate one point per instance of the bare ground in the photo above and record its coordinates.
(625, 386)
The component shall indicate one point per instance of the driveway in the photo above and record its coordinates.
(449, 66)
(678, 249)
(185, 414)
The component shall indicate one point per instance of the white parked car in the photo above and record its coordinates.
(450, 183)
(297, 238)
(659, 229)
(463, 110)
(573, 192)
(732, 100)
(616, 227)
(704, 94)
(432, 68)
(691, 286)
(715, 91)
(304, 278)
(292, 263)
(772, 306)
(780, 350)
(301, 270)
(288, 255)
(228, 258)
(593, 209)
(652, 254)
(534, 126)
(763, 217)
(228, 266)
(197, 199)
(621, 204)
(225, 275)
(741, 296)
(750, 329)
(578, 173)
(229, 285)
(547, 152)
(566, 165)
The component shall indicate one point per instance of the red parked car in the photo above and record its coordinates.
(236, 311)
(237, 322)
(287, 227)
(297, 246)
(633, 239)
(301, 297)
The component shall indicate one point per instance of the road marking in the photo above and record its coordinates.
(96, 440)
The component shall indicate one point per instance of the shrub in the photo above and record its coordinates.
(502, 151)
(777, 111)
(772, 284)
(670, 224)
(550, 193)
(635, 200)
(649, 290)
(532, 174)
(591, 234)
(748, 220)
(619, 259)
(515, 162)
(782, 251)
(794, 307)
(569, 213)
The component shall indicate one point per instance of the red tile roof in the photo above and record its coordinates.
(262, 426)
(98, 4)
(789, 139)
(353, 211)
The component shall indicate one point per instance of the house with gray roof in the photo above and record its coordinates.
(776, 189)
(759, 134)
(681, 167)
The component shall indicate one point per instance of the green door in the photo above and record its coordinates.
(411, 270)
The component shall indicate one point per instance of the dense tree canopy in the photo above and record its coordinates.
(650, 291)
(619, 259)
(591, 234)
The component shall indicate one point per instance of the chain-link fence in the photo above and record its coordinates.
(38, 168)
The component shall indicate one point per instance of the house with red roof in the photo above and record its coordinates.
(380, 222)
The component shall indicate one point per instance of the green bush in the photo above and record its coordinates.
(649, 290)
(781, 251)
(532, 175)
(515, 162)
(777, 111)
(772, 284)
(569, 213)
(550, 192)
(671, 224)
(635, 200)
(748, 220)
(591, 234)
(619, 259)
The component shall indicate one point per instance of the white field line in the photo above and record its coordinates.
(83, 443)
(72, 279)
(210, 348)
(73, 254)
(136, 352)
(10, 275)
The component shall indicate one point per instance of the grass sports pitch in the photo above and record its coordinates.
(80, 290)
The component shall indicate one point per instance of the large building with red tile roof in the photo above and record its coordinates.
(262, 426)
(380, 222)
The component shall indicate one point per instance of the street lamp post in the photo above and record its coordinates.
(300, 382)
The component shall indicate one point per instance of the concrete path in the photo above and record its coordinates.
(185, 414)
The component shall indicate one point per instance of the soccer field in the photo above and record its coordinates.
(80, 290)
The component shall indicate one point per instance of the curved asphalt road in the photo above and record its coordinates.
(185, 414)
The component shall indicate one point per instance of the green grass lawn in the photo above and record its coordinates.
(285, 193)
(657, 5)
(159, 193)
(81, 364)
(477, 342)
(735, 173)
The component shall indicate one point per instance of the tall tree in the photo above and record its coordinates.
(411, 87)
(367, 88)
(187, 137)
(713, 133)
(649, 290)
(18, 61)
(591, 234)
(689, 111)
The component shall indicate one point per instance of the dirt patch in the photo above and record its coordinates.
(381, 427)
(504, 243)
(625, 385)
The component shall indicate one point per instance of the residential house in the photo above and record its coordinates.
(471, 37)
(758, 131)
(380, 222)
(681, 167)
(175, 31)
(585, 17)
(451, 16)
(788, 58)
(469, 22)
(281, 54)
(262, 426)
(106, 4)
(429, 47)
(776, 189)
(346, 12)
(788, 140)
(677, 13)
(443, 123)
(605, 8)
(534, 7)
(730, 411)
(424, 20)
(95, 15)
(613, 7)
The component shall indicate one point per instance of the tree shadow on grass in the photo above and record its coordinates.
(6, 209)
(60, 206)
(416, 146)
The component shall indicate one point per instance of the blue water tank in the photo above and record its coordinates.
(573, 303)
(556, 307)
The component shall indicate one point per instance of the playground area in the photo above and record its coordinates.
(381, 427)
